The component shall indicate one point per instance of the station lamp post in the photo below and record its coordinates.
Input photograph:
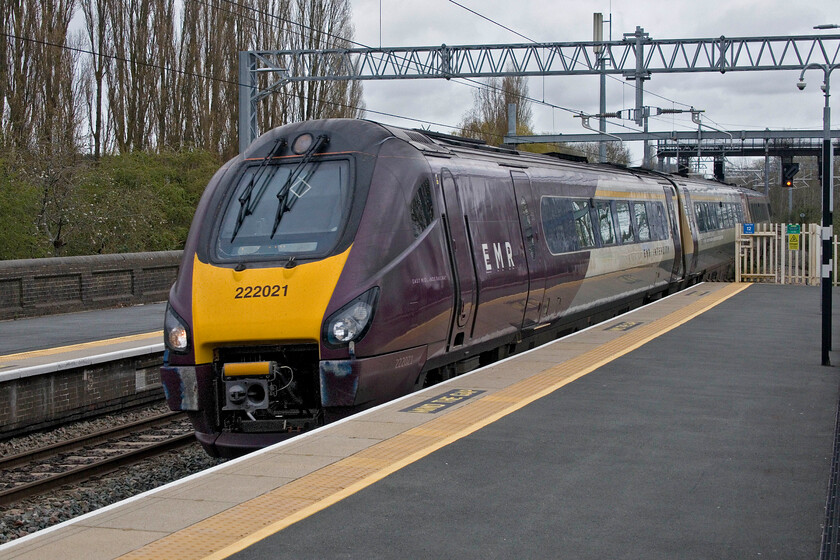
(827, 272)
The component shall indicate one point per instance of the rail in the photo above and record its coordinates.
(41, 470)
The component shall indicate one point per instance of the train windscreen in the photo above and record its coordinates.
(287, 210)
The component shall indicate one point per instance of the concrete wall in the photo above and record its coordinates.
(34, 287)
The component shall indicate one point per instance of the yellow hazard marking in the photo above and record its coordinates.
(237, 528)
(82, 346)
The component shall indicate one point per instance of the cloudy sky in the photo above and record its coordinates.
(732, 101)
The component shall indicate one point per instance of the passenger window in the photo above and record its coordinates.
(625, 225)
(642, 225)
(558, 224)
(700, 213)
(605, 223)
(422, 209)
(525, 212)
(583, 224)
(660, 222)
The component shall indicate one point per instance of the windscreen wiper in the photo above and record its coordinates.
(283, 203)
(245, 206)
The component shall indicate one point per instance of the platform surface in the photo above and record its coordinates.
(40, 345)
(701, 426)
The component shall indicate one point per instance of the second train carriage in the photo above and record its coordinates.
(338, 264)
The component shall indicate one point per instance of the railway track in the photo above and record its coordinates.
(40, 470)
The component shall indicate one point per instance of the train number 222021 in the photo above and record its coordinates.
(244, 292)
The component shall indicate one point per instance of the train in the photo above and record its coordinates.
(338, 264)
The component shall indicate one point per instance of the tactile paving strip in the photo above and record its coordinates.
(234, 529)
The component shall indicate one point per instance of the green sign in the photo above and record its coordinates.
(794, 229)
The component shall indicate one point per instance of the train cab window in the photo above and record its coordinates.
(605, 223)
(271, 212)
(642, 225)
(422, 209)
(583, 224)
(625, 224)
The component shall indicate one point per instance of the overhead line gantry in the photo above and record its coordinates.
(635, 57)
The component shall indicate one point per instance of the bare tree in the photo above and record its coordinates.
(95, 14)
(211, 38)
(207, 108)
(133, 83)
(190, 87)
(273, 27)
(5, 27)
(56, 121)
(324, 24)
(617, 152)
(487, 120)
(21, 24)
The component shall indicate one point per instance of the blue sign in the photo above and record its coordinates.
(749, 229)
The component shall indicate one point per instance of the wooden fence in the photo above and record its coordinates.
(779, 254)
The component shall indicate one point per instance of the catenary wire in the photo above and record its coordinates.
(494, 22)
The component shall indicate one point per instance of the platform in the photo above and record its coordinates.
(39, 345)
(701, 426)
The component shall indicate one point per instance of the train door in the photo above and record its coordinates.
(671, 202)
(526, 205)
(461, 258)
(691, 242)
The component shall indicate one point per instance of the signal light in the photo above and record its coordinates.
(789, 171)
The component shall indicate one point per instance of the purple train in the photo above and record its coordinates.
(338, 264)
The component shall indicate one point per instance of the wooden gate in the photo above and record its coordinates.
(778, 253)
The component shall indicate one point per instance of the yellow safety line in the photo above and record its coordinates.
(235, 529)
(81, 346)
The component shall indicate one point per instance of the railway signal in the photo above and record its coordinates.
(789, 171)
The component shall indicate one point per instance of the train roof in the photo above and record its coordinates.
(471, 148)
(363, 134)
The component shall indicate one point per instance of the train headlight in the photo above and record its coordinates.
(351, 322)
(176, 335)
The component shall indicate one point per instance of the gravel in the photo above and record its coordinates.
(72, 430)
(28, 516)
